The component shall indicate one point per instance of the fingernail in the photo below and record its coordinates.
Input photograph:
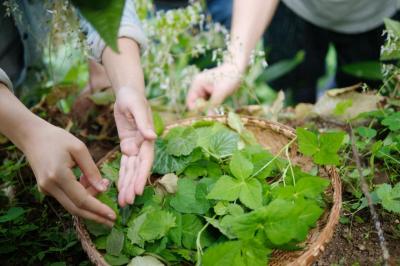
(106, 182)
(100, 186)
(111, 216)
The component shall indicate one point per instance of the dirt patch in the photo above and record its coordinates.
(358, 244)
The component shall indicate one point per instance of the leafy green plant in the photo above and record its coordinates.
(232, 197)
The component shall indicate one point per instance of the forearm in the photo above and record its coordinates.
(17, 123)
(123, 68)
(250, 18)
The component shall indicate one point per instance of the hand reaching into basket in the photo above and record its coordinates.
(135, 129)
(214, 85)
(52, 153)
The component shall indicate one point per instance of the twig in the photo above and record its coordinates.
(365, 190)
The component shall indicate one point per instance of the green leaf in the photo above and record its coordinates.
(392, 121)
(390, 197)
(181, 141)
(236, 253)
(116, 260)
(370, 70)
(281, 68)
(165, 163)
(226, 188)
(311, 187)
(308, 141)
(158, 123)
(218, 140)
(366, 132)
(109, 172)
(325, 157)
(102, 98)
(261, 160)
(221, 208)
(106, 199)
(97, 229)
(240, 166)
(115, 242)
(245, 226)
(323, 149)
(12, 214)
(235, 122)
(175, 234)
(331, 141)
(191, 225)
(105, 18)
(251, 194)
(342, 106)
(190, 197)
(133, 230)
(156, 225)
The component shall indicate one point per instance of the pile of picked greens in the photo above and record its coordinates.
(220, 199)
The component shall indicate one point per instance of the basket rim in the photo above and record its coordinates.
(312, 251)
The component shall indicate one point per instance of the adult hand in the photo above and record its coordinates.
(52, 153)
(214, 85)
(135, 129)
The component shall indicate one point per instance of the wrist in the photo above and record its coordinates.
(27, 135)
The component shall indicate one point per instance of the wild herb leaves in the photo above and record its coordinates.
(150, 226)
(390, 197)
(248, 190)
(190, 197)
(213, 205)
(322, 148)
(181, 141)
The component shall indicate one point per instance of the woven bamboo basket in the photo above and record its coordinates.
(273, 136)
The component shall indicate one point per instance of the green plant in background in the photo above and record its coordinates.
(387, 69)
(213, 198)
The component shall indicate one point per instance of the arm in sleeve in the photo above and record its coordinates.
(130, 27)
(5, 80)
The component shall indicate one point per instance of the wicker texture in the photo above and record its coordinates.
(273, 136)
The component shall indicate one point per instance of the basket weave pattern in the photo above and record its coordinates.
(273, 136)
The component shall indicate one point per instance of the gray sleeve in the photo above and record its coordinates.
(5, 80)
(130, 27)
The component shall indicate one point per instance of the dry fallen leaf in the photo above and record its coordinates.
(169, 182)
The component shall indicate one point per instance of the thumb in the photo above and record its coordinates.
(142, 115)
(84, 160)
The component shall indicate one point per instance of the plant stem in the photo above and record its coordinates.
(198, 243)
(275, 157)
(365, 190)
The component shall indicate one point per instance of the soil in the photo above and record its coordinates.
(358, 244)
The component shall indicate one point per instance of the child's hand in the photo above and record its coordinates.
(214, 85)
(135, 129)
(52, 153)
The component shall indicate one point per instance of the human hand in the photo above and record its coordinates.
(52, 153)
(135, 129)
(214, 85)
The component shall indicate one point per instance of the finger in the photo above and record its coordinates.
(80, 196)
(92, 191)
(140, 112)
(217, 99)
(146, 157)
(130, 146)
(122, 171)
(196, 91)
(84, 181)
(74, 210)
(129, 173)
(130, 188)
(85, 162)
